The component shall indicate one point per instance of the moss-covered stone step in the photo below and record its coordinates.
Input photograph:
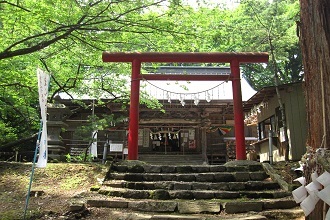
(175, 185)
(191, 177)
(190, 194)
(194, 207)
(147, 168)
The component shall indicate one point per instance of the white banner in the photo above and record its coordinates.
(93, 148)
(43, 82)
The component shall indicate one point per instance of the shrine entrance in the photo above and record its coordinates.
(234, 59)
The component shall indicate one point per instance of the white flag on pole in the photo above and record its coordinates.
(93, 148)
(43, 82)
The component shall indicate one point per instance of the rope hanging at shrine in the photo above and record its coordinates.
(195, 95)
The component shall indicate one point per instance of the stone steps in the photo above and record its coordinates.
(174, 185)
(191, 177)
(194, 207)
(178, 159)
(236, 187)
(142, 167)
(278, 214)
(190, 194)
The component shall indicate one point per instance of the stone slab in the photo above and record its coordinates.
(200, 169)
(217, 168)
(76, 207)
(153, 206)
(181, 194)
(255, 167)
(224, 177)
(219, 186)
(164, 185)
(118, 192)
(136, 194)
(259, 175)
(200, 186)
(152, 177)
(120, 168)
(284, 214)
(160, 194)
(117, 176)
(182, 186)
(168, 169)
(184, 169)
(205, 177)
(107, 203)
(152, 168)
(242, 176)
(226, 195)
(169, 177)
(114, 183)
(280, 204)
(144, 186)
(186, 177)
(133, 177)
(198, 207)
(240, 207)
(236, 186)
(236, 168)
(176, 217)
(136, 168)
(281, 194)
(203, 194)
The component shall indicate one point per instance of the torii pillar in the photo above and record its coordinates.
(153, 57)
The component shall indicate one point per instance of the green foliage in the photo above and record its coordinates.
(67, 40)
(95, 123)
(7, 132)
(68, 158)
(78, 158)
(273, 25)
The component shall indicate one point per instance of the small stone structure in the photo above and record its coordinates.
(56, 113)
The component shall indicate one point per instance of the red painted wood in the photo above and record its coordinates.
(133, 134)
(212, 57)
(185, 77)
(238, 111)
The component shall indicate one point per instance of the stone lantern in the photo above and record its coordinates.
(57, 112)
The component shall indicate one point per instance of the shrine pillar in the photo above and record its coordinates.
(134, 111)
(238, 111)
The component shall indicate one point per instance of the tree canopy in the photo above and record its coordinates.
(67, 39)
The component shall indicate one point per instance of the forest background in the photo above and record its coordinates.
(67, 40)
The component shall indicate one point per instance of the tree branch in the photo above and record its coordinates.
(16, 84)
(15, 5)
(41, 45)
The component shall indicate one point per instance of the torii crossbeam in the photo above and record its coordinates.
(154, 57)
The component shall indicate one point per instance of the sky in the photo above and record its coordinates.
(229, 3)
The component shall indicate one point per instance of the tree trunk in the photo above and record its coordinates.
(315, 43)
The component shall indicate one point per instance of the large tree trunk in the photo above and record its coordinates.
(315, 44)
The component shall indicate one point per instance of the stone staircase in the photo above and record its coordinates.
(194, 192)
(177, 159)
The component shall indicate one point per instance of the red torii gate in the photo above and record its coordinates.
(154, 57)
